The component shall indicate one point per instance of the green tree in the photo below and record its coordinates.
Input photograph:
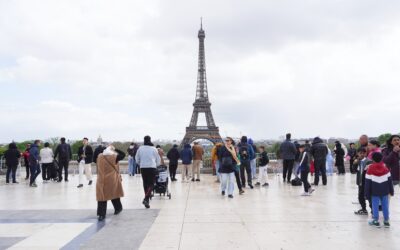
(383, 138)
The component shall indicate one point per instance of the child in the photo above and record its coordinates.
(263, 172)
(363, 162)
(304, 169)
(373, 146)
(378, 186)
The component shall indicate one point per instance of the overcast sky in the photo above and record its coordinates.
(124, 69)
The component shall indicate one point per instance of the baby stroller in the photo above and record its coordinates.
(161, 185)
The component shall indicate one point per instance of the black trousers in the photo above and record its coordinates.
(245, 166)
(46, 171)
(172, 170)
(237, 176)
(148, 177)
(102, 206)
(304, 179)
(11, 170)
(320, 168)
(287, 169)
(341, 169)
(63, 164)
(27, 167)
(352, 167)
(137, 169)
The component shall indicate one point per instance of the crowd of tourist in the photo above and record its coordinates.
(377, 167)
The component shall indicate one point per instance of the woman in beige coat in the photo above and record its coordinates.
(109, 181)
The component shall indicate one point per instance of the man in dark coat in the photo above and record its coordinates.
(288, 154)
(319, 151)
(34, 158)
(64, 153)
(12, 156)
(173, 157)
(85, 159)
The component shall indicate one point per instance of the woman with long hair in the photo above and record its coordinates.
(391, 157)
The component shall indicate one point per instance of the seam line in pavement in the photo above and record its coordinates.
(184, 215)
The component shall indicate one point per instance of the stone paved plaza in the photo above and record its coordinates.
(60, 216)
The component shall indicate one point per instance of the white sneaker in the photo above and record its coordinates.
(311, 190)
(305, 194)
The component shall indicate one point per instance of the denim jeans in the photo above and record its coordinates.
(384, 201)
(228, 181)
(253, 166)
(35, 171)
(217, 170)
(131, 165)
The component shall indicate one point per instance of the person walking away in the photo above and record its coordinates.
(227, 156)
(352, 154)
(246, 153)
(85, 159)
(64, 154)
(363, 162)
(288, 154)
(391, 157)
(109, 181)
(26, 160)
(373, 147)
(198, 153)
(12, 156)
(161, 154)
(304, 169)
(46, 159)
(148, 158)
(378, 186)
(34, 158)
(131, 160)
(263, 169)
(339, 160)
(173, 157)
(186, 156)
(253, 161)
(319, 151)
(215, 160)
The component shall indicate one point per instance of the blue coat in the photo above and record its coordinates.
(34, 155)
(187, 155)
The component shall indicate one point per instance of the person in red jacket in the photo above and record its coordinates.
(26, 159)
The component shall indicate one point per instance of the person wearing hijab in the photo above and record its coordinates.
(109, 181)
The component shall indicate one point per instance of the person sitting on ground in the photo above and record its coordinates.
(304, 169)
(173, 157)
(263, 169)
(12, 156)
(363, 162)
(109, 181)
(378, 186)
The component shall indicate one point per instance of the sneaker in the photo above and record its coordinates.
(305, 194)
(90, 183)
(66, 180)
(361, 212)
(193, 179)
(7, 182)
(241, 191)
(251, 186)
(311, 190)
(386, 224)
(230, 196)
(374, 223)
(101, 218)
(80, 185)
(197, 179)
(265, 184)
(33, 185)
(117, 211)
(223, 192)
(146, 203)
(15, 182)
(257, 184)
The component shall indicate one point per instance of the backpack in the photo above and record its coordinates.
(64, 152)
(296, 182)
(244, 152)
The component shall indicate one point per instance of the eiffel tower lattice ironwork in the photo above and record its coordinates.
(202, 103)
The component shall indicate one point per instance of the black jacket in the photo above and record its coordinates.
(288, 150)
(264, 160)
(88, 154)
(173, 156)
(12, 155)
(225, 157)
(98, 151)
(339, 155)
(63, 151)
(319, 150)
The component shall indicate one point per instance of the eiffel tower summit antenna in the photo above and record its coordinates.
(201, 104)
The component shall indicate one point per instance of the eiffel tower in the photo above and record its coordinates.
(202, 103)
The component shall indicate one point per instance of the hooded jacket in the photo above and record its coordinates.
(378, 181)
(392, 161)
(319, 150)
(12, 155)
(251, 143)
(186, 155)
